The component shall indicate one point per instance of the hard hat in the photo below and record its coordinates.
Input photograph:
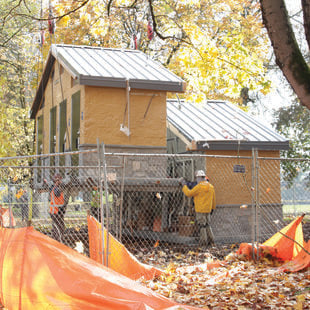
(200, 173)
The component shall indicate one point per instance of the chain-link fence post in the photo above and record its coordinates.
(122, 198)
(106, 192)
(257, 203)
(253, 204)
(100, 199)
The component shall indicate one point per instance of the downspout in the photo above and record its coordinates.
(123, 128)
(128, 103)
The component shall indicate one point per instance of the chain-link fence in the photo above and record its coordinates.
(139, 197)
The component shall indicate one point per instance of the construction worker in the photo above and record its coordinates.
(57, 208)
(204, 201)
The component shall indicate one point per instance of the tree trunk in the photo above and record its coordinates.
(287, 53)
(306, 13)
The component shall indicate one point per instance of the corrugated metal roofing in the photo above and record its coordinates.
(108, 67)
(217, 124)
(112, 67)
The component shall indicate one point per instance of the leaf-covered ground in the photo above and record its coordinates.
(236, 284)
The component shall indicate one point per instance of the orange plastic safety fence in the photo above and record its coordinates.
(119, 259)
(287, 242)
(38, 272)
(300, 262)
(6, 218)
(286, 245)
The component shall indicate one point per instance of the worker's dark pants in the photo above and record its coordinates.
(58, 228)
(204, 223)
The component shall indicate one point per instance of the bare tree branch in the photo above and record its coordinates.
(109, 7)
(155, 24)
(59, 17)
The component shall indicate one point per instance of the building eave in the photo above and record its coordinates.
(42, 85)
(133, 83)
(232, 145)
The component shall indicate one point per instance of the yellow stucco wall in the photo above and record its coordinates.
(235, 188)
(59, 88)
(104, 113)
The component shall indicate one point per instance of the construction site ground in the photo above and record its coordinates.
(237, 284)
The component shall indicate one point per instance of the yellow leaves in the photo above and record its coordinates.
(65, 20)
(226, 46)
(170, 279)
(225, 56)
(171, 268)
(19, 193)
(301, 301)
(85, 18)
(301, 298)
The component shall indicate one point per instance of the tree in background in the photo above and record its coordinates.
(293, 122)
(16, 71)
(217, 46)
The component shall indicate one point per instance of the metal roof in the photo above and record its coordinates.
(220, 125)
(108, 67)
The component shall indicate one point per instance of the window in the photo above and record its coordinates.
(39, 145)
(75, 128)
(63, 132)
(52, 138)
(40, 135)
(53, 130)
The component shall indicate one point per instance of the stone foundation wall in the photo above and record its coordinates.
(232, 224)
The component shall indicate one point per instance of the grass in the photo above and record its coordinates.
(291, 209)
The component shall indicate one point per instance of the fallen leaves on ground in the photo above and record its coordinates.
(236, 284)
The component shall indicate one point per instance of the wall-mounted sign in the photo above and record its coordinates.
(239, 168)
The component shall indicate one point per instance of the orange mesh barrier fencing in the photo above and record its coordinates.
(245, 251)
(286, 245)
(38, 272)
(300, 262)
(287, 249)
(120, 259)
(6, 218)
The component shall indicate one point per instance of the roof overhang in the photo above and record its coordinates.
(232, 145)
(41, 88)
(167, 86)
(133, 83)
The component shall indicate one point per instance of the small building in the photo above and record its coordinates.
(228, 135)
(91, 94)
(119, 97)
(115, 96)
